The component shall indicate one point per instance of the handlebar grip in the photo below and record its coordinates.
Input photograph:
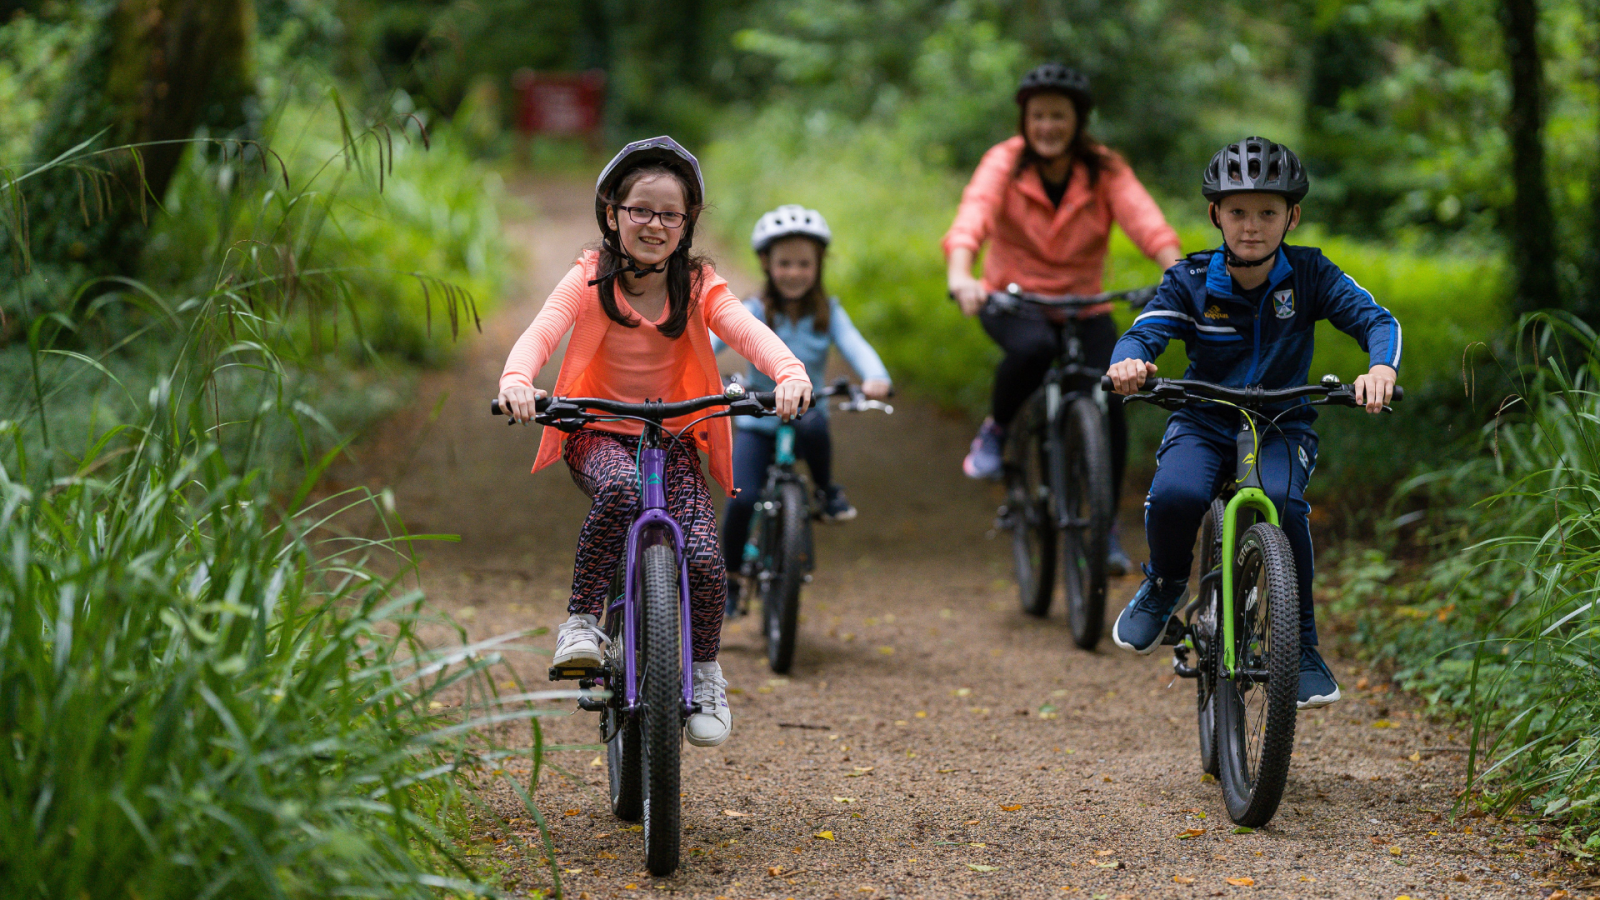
(1108, 387)
(1399, 393)
(539, 405)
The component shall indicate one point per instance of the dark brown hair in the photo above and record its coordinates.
(685, 270)
(814, 302)
(1082, 149)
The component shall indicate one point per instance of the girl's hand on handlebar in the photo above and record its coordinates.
(517, 401)
(968, 292)
(1376, 388)
(791, 398)
(1129, 375)
(875, 388)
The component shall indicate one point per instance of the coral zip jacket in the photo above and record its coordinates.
(1044, 248)
(576, 305)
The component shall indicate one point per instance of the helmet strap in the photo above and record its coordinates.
(632, 268)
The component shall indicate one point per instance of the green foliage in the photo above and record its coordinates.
(35, 58)
(208, 690)
(1502, 625)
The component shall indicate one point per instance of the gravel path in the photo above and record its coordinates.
(931, 741)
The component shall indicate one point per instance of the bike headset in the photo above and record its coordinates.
(789, 220)
(1254, 165)
(1255, 435)
(661, 150)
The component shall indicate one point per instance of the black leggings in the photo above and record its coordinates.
(1030, 347)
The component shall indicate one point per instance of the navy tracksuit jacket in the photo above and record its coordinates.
(1234, 342)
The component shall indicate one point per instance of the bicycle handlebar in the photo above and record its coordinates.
(752, 403)
(1175, 392)
(1014, 296)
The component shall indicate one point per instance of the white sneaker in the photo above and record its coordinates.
(710, 723)
(578, 641)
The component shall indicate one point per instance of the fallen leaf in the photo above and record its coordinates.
(1415, 757)
(1114, 864)
(860, 771)
(774, 871)
(1187, 833)
(605, 855)
(982, 868)
(1246, 881)
(596, 763)
(1394, 851)
(866, 889)
(630, 886)
(1242, 829)
(736, 814)
(1183, 879)
(886, 651)
(922, 714)
(572, 812)
(1383, 723)
(970, 822)
(634, 828)
(1104, 852)
(1012, 808)
(962, 692)
(824, 835)
(977, 844)
(845, 799)
(1208, 778)
(1558, 895)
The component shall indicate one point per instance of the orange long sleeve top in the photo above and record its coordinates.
(1049, 249)
(605, 359)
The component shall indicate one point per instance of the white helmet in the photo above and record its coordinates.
(787, 221)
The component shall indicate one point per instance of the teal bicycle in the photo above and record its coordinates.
(1242, 629)
(778, 558)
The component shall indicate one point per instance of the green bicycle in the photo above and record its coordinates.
(1243, 625)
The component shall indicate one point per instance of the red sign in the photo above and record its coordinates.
(559, 102)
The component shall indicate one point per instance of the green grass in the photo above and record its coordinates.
(1501, 626)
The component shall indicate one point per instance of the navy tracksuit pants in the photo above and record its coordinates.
(1193, 463)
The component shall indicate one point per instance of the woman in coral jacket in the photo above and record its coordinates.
(1045, 201)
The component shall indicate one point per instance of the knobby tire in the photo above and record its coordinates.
(1255, 726)
(619, 730)
(662, 717)
(1085, 495)
(1205, 627)
(1029, 510)
(780, 605)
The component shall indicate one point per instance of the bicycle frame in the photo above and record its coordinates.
(781, 469)
(1249, 494)
(653, 525)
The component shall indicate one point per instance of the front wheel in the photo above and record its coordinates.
(1029, 513)
(1086, 511)
(661, 696)
(1255, 704)
(1205, 635)
(780, 604)
(618, 730)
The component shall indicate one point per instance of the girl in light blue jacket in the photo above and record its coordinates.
(791, 242)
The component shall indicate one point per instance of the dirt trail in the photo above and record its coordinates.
(948, 745)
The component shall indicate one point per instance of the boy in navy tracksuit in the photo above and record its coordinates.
(1247, 314)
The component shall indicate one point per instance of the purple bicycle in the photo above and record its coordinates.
(645, 688)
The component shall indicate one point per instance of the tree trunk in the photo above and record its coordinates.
(1531, 224)
(155, 71)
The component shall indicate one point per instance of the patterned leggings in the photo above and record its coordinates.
(602, 464)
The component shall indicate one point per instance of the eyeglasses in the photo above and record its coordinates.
(642, 215)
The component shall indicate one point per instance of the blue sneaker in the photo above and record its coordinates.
(1144, 621)
(983, 460)
(1317, 687)
(1117, 562)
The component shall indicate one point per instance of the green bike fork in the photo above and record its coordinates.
(1247, 498)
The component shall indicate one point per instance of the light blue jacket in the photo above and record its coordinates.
(812, 349)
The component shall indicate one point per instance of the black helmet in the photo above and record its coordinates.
(1060, 79)
(661, 150)
(1255, 165)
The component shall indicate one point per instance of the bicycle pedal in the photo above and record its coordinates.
(573, 673)
(1173, 636)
